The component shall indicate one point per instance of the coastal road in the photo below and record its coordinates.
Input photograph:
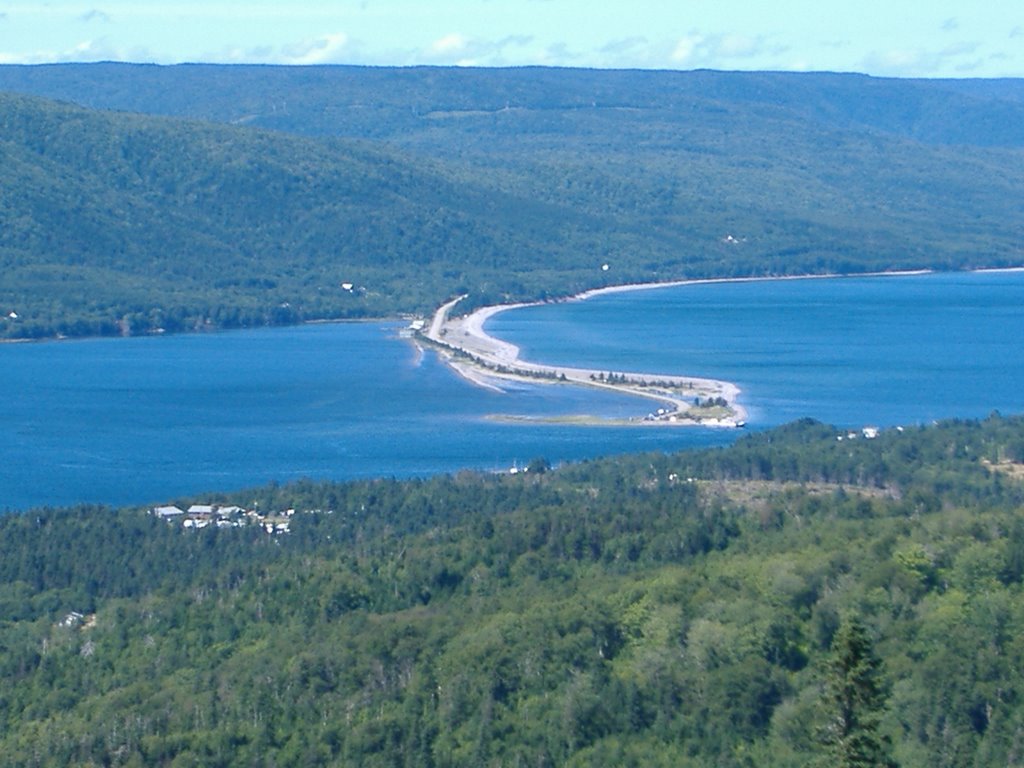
(440, 316)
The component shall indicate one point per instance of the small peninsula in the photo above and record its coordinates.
(677, 400)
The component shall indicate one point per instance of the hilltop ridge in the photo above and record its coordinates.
(249, 195)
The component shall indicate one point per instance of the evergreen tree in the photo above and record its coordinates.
(855, 699)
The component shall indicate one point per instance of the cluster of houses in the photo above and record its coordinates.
(202, 515)
(869, 433)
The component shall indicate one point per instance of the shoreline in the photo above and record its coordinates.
(583, 295)
(480, 358)
(486, 313)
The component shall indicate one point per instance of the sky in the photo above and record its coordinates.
(902, 38)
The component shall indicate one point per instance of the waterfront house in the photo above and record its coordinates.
(167, 512)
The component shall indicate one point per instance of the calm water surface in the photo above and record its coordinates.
(848, 351)
(145, 420)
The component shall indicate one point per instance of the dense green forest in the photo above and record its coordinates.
(793, 599)
(122, 223)
(253, 195)
(805, 596)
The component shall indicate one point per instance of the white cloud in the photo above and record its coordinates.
(451, 43)
(84, 51)
(721, 50)
(405, 32)
(687, 49)
(459, 50)
(328, 49)
(921, 62)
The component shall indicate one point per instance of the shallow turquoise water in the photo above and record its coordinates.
(145, 420)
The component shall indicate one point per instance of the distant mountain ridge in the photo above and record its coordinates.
(326, 100)
(251, 194)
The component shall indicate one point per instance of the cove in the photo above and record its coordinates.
(148, 420)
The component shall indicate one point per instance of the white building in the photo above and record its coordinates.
(167, 512)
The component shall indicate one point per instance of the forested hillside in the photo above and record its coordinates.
(782, 601)
(412, 185)
(122, 223)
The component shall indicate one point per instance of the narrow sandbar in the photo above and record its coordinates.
(677, 400)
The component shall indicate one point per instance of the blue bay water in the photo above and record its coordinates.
(144, 420)
(147, 420)
(885, 351)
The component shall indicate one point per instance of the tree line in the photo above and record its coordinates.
(787, 600)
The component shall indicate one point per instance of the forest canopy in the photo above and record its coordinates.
(788, 600)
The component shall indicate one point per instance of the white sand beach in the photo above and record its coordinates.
(482, 359)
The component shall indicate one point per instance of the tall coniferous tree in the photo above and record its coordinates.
(856, 698)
